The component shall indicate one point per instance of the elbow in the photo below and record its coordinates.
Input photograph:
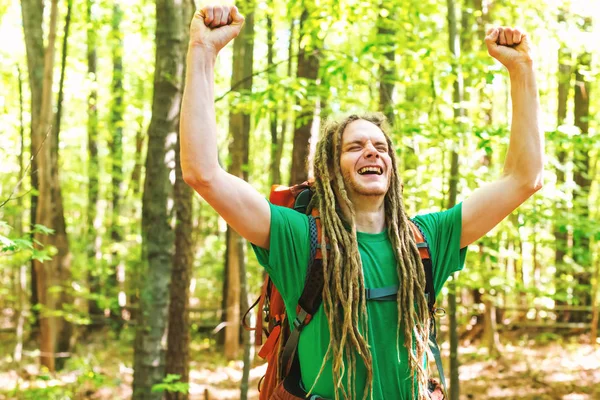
(194, 179)
(527, 181)
(538, 184)
(534, 184)
(189, 178)
(538, 180)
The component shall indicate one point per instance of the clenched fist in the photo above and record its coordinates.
(510, 46)
(214, 26)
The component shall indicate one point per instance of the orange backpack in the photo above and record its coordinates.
(282, 378)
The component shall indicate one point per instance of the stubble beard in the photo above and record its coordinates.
(352, 186)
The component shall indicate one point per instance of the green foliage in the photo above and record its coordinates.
(548, 338)
(47, 393)
(46, 386)
(12, 246)
(171, 384)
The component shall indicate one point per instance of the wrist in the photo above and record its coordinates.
(202, 51)
(521, 70)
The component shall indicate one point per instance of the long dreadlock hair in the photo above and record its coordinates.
(344, 298)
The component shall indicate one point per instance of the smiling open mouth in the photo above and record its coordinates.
(370, 171)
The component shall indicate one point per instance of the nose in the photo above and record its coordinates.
(371, 151)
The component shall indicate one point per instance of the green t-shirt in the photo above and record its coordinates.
(287, 262)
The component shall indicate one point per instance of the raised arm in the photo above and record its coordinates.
(524, 164)
(242, 207)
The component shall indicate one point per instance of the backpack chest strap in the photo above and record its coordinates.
(387, 293)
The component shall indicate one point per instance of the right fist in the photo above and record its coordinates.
(215, 26)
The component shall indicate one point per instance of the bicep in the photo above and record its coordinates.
(490, 204)
(240, 205)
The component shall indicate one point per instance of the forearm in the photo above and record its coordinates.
(524, 159)
(198, 126)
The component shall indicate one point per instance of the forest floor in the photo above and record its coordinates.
(538, 367)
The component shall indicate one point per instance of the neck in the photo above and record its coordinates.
(369, 213)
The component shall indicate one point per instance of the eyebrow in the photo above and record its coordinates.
(360, 141)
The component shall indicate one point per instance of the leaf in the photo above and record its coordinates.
(5, 241)
(40, 255)
(43, 230)
(24, 243)
(172, 378)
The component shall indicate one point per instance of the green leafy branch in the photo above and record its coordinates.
(11, 246)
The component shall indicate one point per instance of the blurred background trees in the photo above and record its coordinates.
(99, 235)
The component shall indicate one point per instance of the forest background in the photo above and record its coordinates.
(117, 281)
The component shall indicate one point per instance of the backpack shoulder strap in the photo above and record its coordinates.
(430, 295)
(311, 296)
(425, 254)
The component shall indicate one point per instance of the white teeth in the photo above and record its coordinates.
(370, 169)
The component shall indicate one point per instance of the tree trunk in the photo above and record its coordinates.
(536, 273)
(133, 271)
(157, 234)
(61, 84)
(308, 69)
(454, 389)
(595, 304)
(247, 358)
(471, 25)
(246, 340)
(93, 240)
(18, 224)
(32, 14)
(581, 196)
(56, 271)
(21, 292)
(387, 67)
(277, 140)
(491, 339)
(457, 99)
(64, 339)
(178, 339)
(116, 156)
(561, 207)
(289, 105)
(136, 174)
(220, 339)
(517, 263)
(468, 23)
(239, 131)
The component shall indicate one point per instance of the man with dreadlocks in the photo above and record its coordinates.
(355, 348)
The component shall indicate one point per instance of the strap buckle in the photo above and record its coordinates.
(302, 318)
(298, 323)
(439, 312)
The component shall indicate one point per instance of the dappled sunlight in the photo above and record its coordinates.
(223, 382)
(555, 371)
(564, 369)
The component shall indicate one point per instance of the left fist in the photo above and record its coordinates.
(510, 46)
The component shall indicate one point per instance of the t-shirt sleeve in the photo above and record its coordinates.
(286, 261)
(442, 231)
